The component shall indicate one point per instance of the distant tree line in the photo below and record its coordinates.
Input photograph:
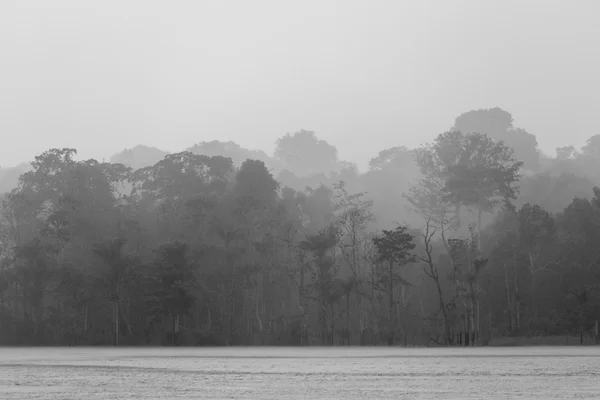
(454, 243)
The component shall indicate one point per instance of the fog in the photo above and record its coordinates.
(102, 76)
(311, 173)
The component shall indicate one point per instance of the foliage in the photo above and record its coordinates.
(304, 153)
(498, 125)
(206, 246)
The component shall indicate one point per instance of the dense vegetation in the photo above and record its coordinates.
(206, 246)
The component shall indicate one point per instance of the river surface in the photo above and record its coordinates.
(300, 373)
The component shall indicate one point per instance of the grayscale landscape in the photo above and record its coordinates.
(316, 199)
(543, 373)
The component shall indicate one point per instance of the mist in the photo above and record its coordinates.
(267, 173)
(102, 76)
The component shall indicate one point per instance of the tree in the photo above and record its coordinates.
(579, 231)
(305, 154)
(553, 192)
(174, 286)
(318, 209)
(592, 147)
(139, 156)
(389, 178)
(178, 185)
(498, 125)
(324, 270)
(506, 253)
(118, 268)
(464, 253)
(394, 249)
(433, 273)
(493, 122)
(397, 158)
(254, 180)
(199, 249)
(471, 170)
(566, 153)
(536, 232)
(9, 177)
(353, 216)
(34, 274)
(236, 153)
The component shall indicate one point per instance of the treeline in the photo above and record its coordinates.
(200, 250)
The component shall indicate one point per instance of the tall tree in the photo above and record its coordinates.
(498, 125)
(536, 231)
(174, 288)
(305, 154)
(432, 271)
(324, 283)
(118, 266)
(394, 248)
(353, 216)
(471, 170)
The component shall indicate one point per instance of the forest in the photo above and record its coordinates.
(473, 236)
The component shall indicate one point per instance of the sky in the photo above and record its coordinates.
(104, 75)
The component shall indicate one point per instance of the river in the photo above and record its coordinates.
(300, 373)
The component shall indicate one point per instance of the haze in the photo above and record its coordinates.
(300, 174)
(101, 76)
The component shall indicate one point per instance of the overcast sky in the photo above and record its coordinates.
(104, 75)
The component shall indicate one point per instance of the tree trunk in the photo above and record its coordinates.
(116, 321)
(402, 317)
(508, 299)
(348, 318)
(479, 230)
(1, 318)
(533, 296)
(447, 334)
(231, 295)
(324, 328)
(490, 332)
(209, 320)
(391, 308)
(176, 330)
(126, 321)
(373, 305)
(332, 318)
(478, 326)
(58, 334)
(457, 213)
(466, 322)
(85, 319)
(517, 302)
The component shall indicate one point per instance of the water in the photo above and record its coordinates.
(300, 373)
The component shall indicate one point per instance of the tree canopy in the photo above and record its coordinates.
(451, 243)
